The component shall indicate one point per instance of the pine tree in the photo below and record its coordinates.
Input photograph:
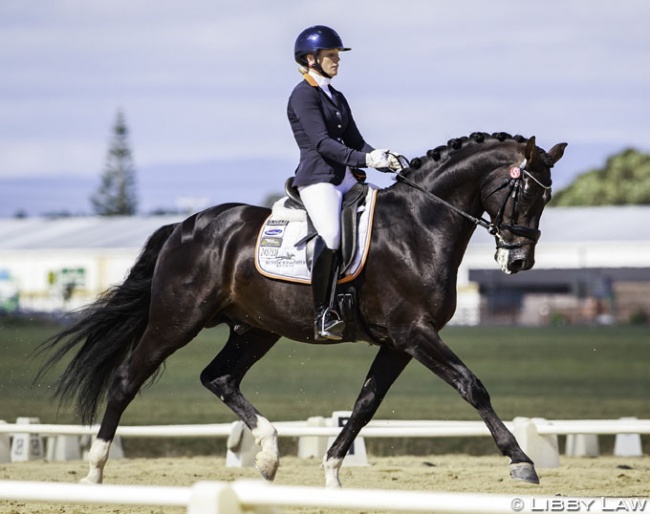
(116, 195)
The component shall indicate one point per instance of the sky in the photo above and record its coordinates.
(204, 85)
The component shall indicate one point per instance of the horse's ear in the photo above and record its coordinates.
(531, 151)
(557, 152)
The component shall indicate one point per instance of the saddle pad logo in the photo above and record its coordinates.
(276, 254)
(275, 242)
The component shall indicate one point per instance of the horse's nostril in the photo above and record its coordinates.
(517, 265)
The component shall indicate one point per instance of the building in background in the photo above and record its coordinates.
(592, 266)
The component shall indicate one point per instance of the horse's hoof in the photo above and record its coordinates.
(267, 465)
(525, 472)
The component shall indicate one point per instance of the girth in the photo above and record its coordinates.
(350, 214)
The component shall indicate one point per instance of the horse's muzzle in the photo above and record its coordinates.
(516, 254)
(513, 258)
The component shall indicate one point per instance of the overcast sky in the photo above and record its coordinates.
(204, 81)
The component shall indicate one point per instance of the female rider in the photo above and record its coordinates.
(330, 144)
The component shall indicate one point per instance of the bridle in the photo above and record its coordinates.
(496, 228)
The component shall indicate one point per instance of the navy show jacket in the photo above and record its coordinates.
(327, 136)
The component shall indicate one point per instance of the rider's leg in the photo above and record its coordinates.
(324, 275)
(323, 203)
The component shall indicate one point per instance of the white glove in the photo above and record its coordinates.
(396, 161)
(377, 159)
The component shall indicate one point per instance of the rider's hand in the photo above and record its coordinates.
(378, 159)
(396, 161)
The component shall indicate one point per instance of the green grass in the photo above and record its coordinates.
(555, 372)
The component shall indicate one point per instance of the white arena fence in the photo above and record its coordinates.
(250, 496)
(537, 436)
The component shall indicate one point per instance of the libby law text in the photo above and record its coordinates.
(592, 505)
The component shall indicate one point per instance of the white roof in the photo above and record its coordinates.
(79, 232)
(560, 224)
(582, 224)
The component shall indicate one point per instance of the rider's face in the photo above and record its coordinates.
(327, 59)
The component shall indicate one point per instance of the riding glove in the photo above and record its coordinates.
(396, 161)
(378, 159)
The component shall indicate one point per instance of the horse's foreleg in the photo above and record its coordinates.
(223, 377)
(426, 346)
(385, 369)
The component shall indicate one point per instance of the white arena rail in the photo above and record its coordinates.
(537, 436)
(260, 497)
(380, 428)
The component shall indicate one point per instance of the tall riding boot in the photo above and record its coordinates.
(328, 324)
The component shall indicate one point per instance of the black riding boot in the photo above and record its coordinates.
(328, 324)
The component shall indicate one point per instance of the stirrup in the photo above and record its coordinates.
(329, 326)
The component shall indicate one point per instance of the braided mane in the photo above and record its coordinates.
(442, 152)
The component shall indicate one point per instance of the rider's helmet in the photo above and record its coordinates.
(313, 39)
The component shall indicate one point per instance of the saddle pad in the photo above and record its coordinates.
(276, 255)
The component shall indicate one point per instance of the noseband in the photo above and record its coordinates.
(496, 228)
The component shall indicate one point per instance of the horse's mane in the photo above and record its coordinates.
(442, 153)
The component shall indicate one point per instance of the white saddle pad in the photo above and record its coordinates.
(276, 254)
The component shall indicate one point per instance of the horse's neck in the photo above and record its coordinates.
(434, 228)
(425, 226)
(458, 179)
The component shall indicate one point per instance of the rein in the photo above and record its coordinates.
(494, 229)
(482, 222)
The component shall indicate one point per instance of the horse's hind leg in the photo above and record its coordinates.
(425, 345)
(152, 349)
(223, 377)
(385, 369)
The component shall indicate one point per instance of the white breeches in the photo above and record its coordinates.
(323, 204)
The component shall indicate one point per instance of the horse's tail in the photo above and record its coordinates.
(106, 332)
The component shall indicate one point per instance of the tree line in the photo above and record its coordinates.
(623, 180)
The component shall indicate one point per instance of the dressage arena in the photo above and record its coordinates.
(622, 394)
(605, 476)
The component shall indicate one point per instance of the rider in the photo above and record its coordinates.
(330, 144)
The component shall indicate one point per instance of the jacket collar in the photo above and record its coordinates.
(310, 80)
(315, 80)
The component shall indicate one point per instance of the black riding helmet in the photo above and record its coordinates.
(313, 39)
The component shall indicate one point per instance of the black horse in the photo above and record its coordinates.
(201, 273)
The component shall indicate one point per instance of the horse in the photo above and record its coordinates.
(201, 272)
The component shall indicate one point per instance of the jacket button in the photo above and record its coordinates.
(339, 126)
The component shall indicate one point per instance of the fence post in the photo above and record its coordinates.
(542, 449)
(582, 445)
(628, 445)
(24, 446)
(63, 448)
(213, 498)
(312, 446)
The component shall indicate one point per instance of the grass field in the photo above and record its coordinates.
(555, 372)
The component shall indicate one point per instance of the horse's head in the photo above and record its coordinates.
(514, 197)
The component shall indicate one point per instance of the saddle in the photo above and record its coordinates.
(351, 208)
